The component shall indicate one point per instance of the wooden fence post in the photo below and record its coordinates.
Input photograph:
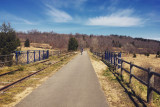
(111, 58)
(116, 67)
(131, 72)
(122, 70)
(119, 59)
(105, 55)
(39, 55)
(150, 84)
(16, 57)
(43, 54)
(114, 59)
(27, 57)
(47, 53)
(102, 57)
(34, 56)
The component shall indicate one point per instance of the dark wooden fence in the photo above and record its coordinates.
(6, 60)
(115, 60)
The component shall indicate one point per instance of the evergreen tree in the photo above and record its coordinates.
(27, 43)
(8, 40)
(73, 44)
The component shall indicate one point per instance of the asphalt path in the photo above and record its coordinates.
(74, 85)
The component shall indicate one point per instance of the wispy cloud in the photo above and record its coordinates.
(58, 15)
(7, 17)
(113, 5)
(121, 18)
(65, 3)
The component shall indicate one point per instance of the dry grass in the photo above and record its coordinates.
(145, 62)
(136, 91)
(36, 46)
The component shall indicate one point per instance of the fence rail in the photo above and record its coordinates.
(26, 57)
(115, 60)
(6, 60)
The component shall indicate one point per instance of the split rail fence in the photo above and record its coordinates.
(115, 60)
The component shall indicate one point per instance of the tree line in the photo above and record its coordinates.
(9, 41)
(61, 41)
(95, 42)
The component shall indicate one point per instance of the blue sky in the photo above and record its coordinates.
(136, 18)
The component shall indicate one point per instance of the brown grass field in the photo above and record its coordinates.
(144, 61)
(36, 46)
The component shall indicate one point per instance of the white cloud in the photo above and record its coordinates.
(58, 15)
(65, 3)
(7, 17)
(154, 39)
(121, 18)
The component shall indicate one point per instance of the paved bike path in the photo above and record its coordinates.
(74, 85)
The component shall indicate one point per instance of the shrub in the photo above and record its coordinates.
(158, 54)
(134, 55)
(146, 54)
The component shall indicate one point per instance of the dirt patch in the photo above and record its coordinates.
(115, 95)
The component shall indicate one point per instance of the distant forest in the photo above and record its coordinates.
(94, 42)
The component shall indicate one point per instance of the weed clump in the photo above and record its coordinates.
(134, 55)
(21, 68)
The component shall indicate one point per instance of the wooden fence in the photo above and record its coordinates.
(115, 60)
(6, 60)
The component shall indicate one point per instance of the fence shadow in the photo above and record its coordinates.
(137, 101)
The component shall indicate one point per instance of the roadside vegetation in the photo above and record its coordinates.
(115, 94)
(16, 93)
(145, 61)
(136, 91)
